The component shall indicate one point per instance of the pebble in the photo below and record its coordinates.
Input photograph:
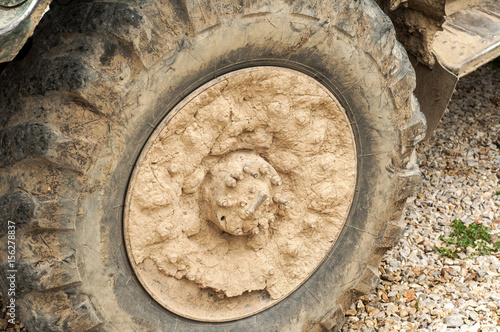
(461, 174)
(454, 321)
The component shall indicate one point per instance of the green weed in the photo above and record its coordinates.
(475, 236)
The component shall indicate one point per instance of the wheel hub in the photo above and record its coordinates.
(240, 193)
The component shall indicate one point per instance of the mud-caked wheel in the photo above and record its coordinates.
(205, 166)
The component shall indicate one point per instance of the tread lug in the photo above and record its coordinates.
(368, 281)
(45, 260)
(60, 311)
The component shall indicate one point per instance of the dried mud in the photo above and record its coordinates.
(268, 140)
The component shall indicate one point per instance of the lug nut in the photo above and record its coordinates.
(265, 169)
(264, 224)
(279, 200)
(230, 182)
(238, 175)
(173, 168)
(222, 202)
(249, 170)
(276, 180)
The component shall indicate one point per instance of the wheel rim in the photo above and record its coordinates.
(240, 193)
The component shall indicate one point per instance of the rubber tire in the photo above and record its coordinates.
(77, 110)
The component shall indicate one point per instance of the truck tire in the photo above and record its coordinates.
(105, 82)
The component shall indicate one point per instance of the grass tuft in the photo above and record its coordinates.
(475, 236)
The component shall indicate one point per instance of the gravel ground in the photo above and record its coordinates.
(421, 291)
